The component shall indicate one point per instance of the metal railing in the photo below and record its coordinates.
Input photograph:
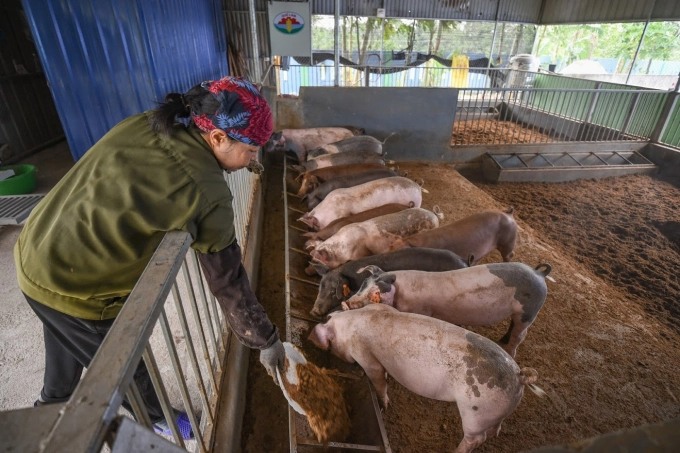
(167, 338)
(289, 80)
(549, 115)
(507, 106)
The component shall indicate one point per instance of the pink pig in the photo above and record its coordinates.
(434, 359)
(352, 200)
(474, 296)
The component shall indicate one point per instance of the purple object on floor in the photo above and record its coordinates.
(183, 424)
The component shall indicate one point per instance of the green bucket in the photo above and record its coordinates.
(22, 182)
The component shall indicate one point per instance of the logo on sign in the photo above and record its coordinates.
(289, 23)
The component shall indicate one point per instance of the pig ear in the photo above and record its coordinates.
(388, 279)
(471, 259)
(308, 220)
(370, 268)
(321, 268)
(299, 177)
(320, 255)
(311, 244)
(321, 336)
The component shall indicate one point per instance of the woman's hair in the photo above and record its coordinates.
(197, 100)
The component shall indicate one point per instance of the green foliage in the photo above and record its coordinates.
(585, 41)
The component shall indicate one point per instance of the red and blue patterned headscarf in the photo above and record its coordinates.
(243, 113)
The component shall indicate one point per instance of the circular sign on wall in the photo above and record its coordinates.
(289, 22)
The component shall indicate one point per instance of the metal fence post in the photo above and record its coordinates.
(367, 76)
(666, 112)
(593, 103)
(631, 111)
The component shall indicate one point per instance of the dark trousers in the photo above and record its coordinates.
(70, 345)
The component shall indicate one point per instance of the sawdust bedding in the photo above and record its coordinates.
(604, 345)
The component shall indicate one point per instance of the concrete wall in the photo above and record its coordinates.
(420, 118)
(668, 159)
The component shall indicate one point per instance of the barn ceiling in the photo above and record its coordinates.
(540, 12)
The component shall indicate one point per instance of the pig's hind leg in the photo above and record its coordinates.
(476, 429)
(515, 334)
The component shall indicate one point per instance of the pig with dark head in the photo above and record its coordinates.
(338, 284)
(476, 296)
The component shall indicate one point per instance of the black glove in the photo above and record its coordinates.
(272, 358)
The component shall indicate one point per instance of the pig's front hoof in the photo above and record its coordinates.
(384, 402)
(345, 306)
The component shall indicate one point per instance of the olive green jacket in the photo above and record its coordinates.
(86, 244)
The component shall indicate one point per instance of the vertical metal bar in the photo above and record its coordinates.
(630, 113)
(499, 125)
(158, 385)
(605, 108)
(199, 324)
(666, 113)
(493, 42)
(181, 382)
(566, 117)
(292, 435)
(593, 104)
(582, 101)
(550, 109)
(138, 406)
(336, 44)
(191, 349)
(221, 323)
(253, 38)
(209, 318)
(621, 98)
(637, 50)
(478, 111)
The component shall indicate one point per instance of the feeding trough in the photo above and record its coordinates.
(565, 166)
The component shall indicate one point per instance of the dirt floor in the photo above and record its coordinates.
(605, 343)
(490, 131)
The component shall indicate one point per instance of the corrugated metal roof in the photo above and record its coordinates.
(665, 10)
(589, 11)
(522, 11)
(108, 60)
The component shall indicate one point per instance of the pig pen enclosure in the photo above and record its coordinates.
(605, 343)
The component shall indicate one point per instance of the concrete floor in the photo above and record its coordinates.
(21, 340)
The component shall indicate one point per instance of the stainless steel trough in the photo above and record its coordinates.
(565, 166)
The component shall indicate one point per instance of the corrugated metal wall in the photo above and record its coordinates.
(28, 118)
(106, 60)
